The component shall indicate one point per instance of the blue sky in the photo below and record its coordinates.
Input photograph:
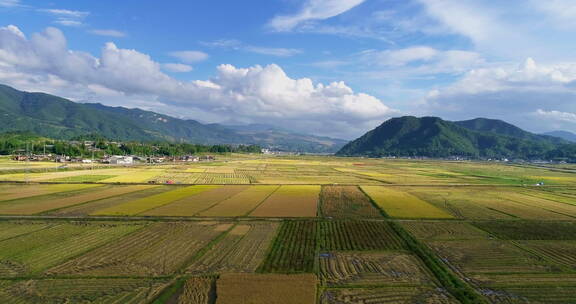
(327, 67)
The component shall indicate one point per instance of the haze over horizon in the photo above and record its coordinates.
(324, 67)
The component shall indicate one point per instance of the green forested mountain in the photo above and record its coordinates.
(569, 136)
(478, 138)
(59, 118)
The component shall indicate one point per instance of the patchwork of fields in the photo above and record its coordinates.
(289, 230)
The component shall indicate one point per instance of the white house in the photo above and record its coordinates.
(121, 160)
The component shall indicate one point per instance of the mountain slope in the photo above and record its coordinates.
(56, 117)
(569, 136)
(434, 137)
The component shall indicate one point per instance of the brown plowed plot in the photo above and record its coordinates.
(159, 249)
(487, 256)
(266, 289)
(290, 201)
(31, 253)
(559, 252)
(241, 250)
(37, 205)
(444, 230)
(383, 268)
(391, 295)
(346, 202)
(91, 207)
(241, 203)
(358, 235)
(110, 291)
(293, 249)
(530, 230)
(198, 290)
(196, 203)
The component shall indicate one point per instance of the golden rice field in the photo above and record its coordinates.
(398, 203)
(288, 229)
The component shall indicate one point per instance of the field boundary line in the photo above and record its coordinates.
(247, 214)
(187, 263)
(218, 202)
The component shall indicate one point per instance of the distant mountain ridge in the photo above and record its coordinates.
(476, 138)
(57, 117)
(569, 136)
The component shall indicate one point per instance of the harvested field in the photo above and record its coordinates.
(519, 210)
(442, 231)
(392, 295)
(294, 248)
(242, 203)
(34, 206)
(488, 256)
(397, 203)
(199, 290)
(383, 268)
(358, 235)
(530, 230)
(91, 207)
(290, 201)
(25, 191)
(151, 202)
(528, 288)
(560, 252)
(114, 291)
(266, 288)
(159, 249)
(223, 178)
(32, 253)
(346, 202)
(241, 250)
(194, 204)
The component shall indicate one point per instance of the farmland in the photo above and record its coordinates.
(293, 229)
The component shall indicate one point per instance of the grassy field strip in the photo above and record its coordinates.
(92, 206)
(24, 191)
(552, 206)
(194, 290)
(9, 230)
(136, 176)
(242, 203)
(198, 202)
(32, 253)
(82, 178)
(530, 230)
(559, 252)
(398, 203)
(266, 288)
(241, 250)
(154, 201)
(114, 291)
(159, 249)
(290, 201)
(35, 206)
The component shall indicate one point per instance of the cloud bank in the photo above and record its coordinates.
(257, 94)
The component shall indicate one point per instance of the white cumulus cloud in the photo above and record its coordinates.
(177, 67)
